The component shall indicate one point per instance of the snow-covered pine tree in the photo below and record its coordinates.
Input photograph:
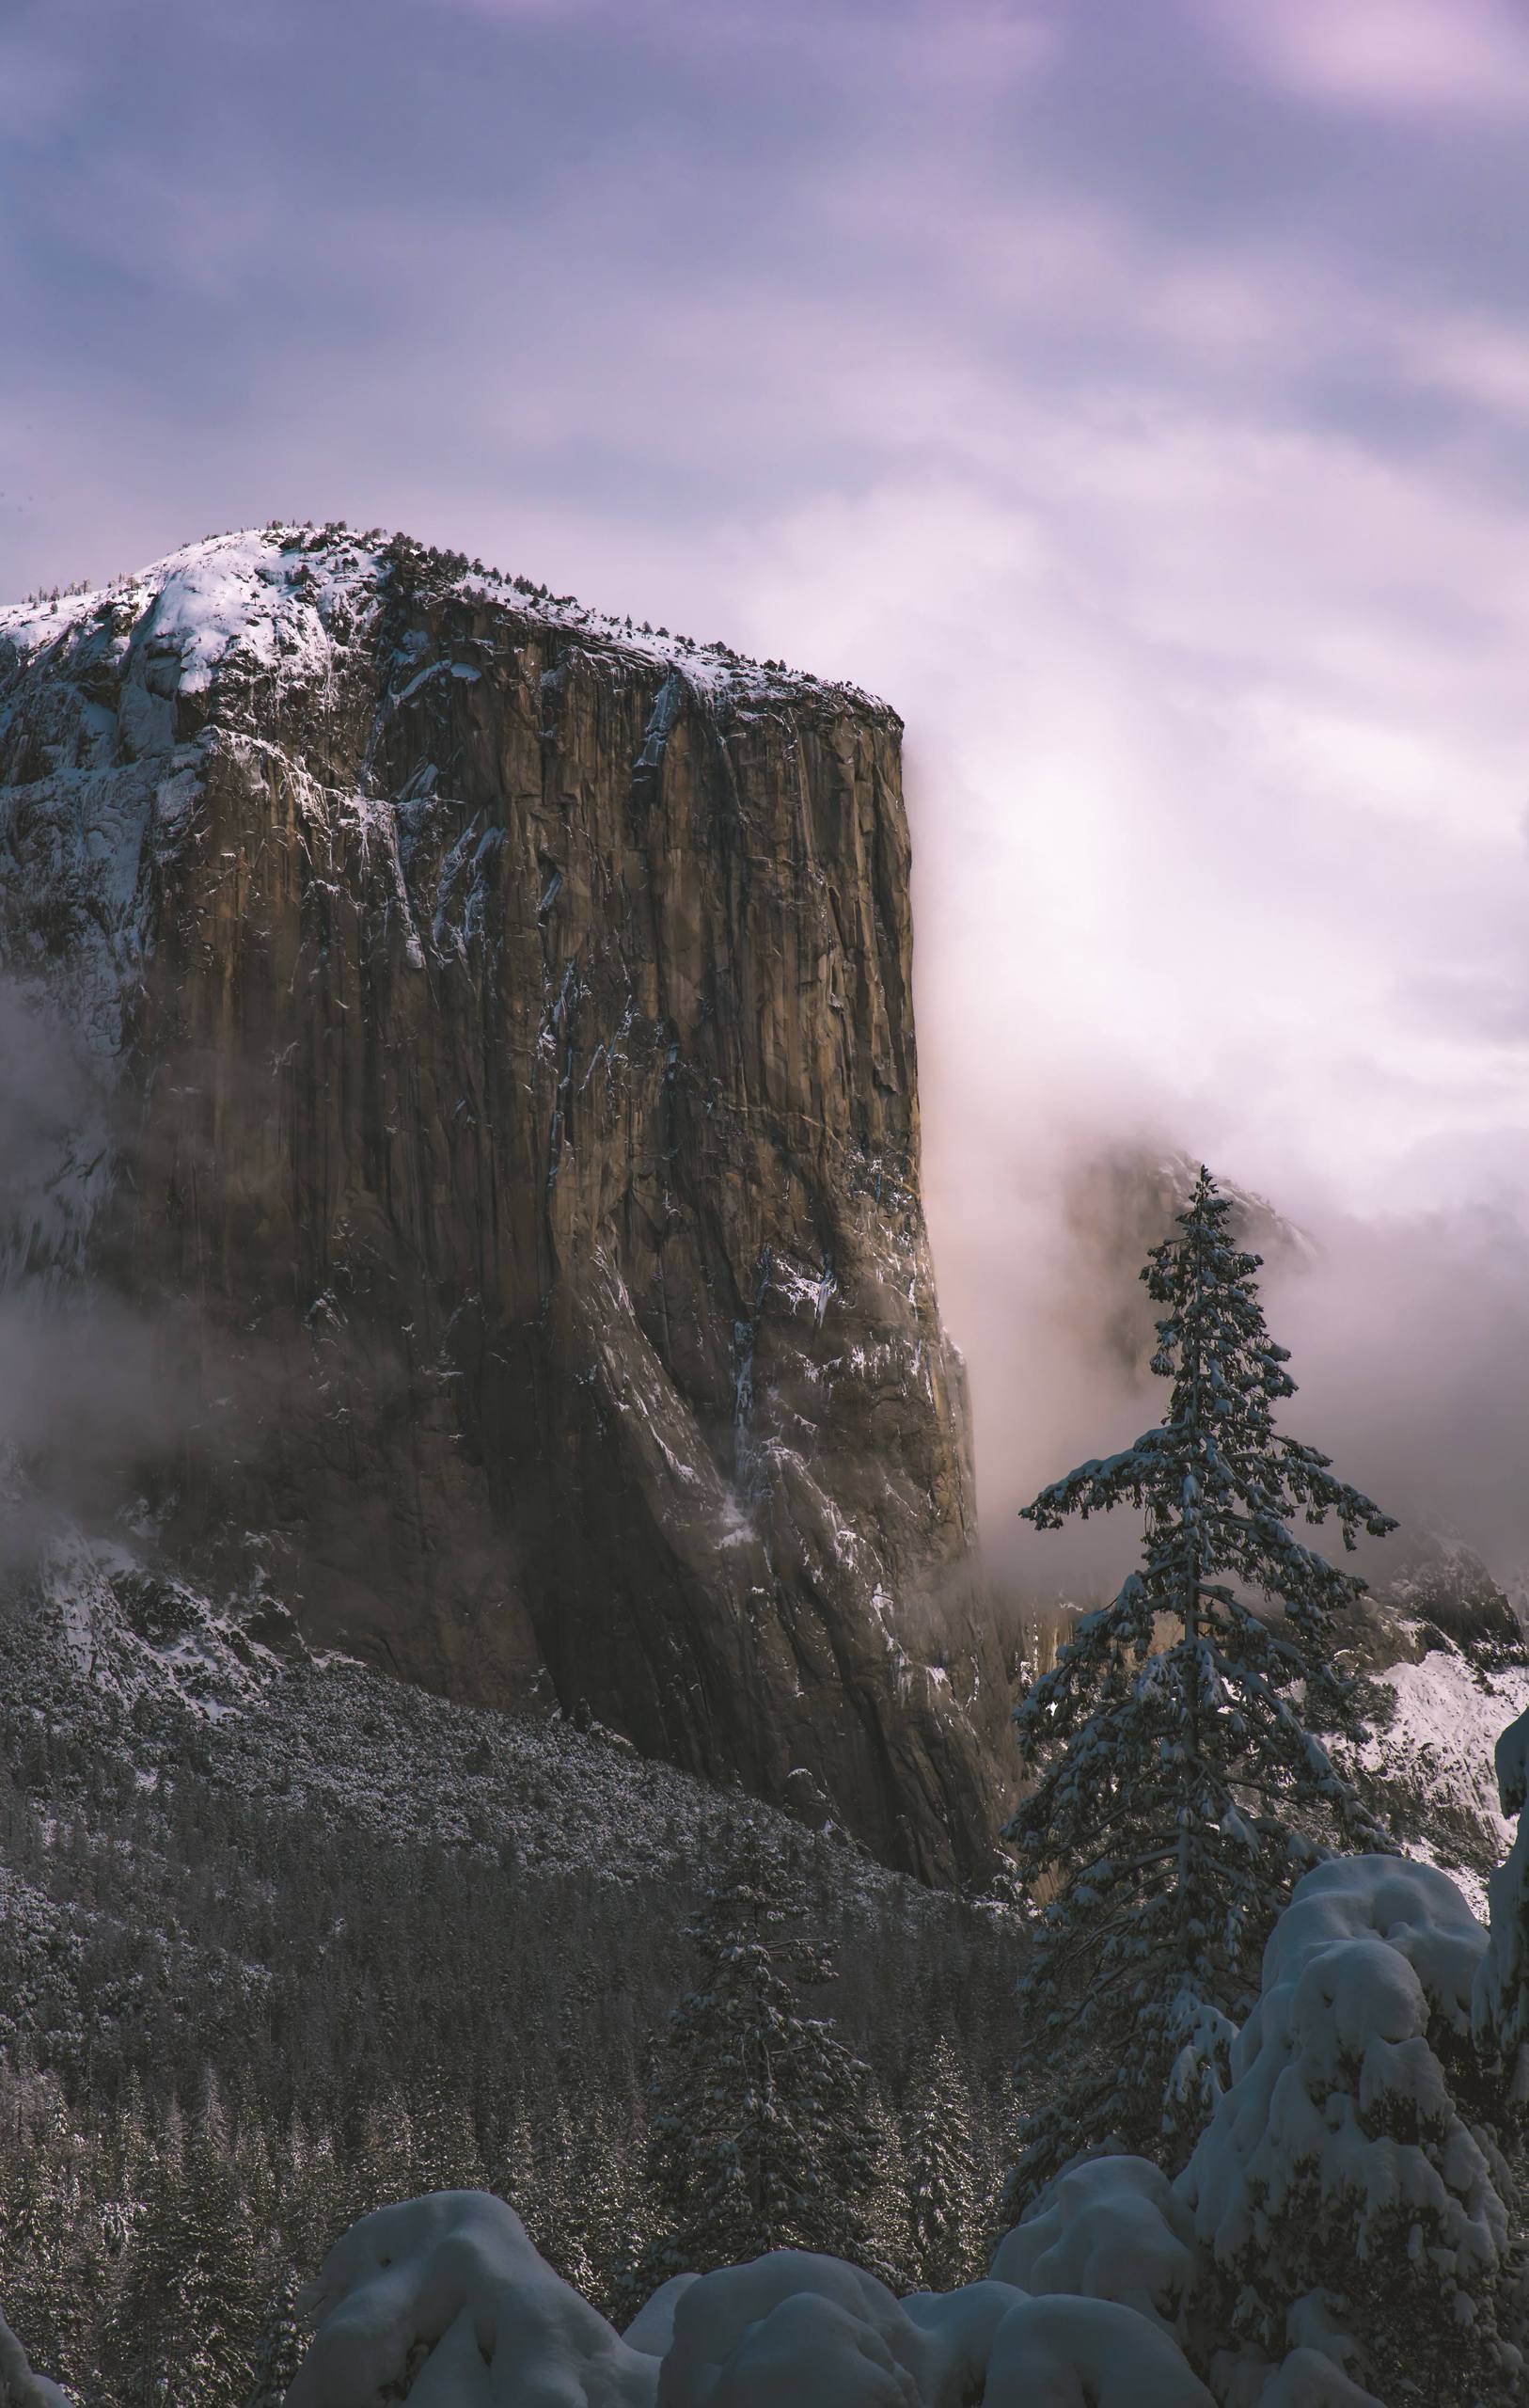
(382, 2166)
(255, 2174)
(142, 2339)
(218, 2300)
(316, 2196)
(617, 2214)
(887, 2251)
(186, 2315)
(515, 2173)
(942, 2197)
(1181, 1791)
(1501, 2009)
(761, 2135)
(557, 2221)
(1350, 2180)
(280, 2346)
(45, 2242)
(445, 2155)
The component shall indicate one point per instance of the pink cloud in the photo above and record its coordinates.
(1389, 55)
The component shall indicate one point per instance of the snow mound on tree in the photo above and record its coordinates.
(792, 2329)
(1113, 2229)
(1062, 2353)
(1343, 2216)
(1371, 1956)
(1118, 2232)
(447, 2296)
(19, 2387)
(791, 2326)
(444, 2302)
(796, 2331)
(651, 2330)
(1346, 2200)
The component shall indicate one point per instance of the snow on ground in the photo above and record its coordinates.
(30, 625)
(255, 594)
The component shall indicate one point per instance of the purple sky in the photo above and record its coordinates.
(1135, 391)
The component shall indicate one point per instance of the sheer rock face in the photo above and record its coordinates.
(511, 1103)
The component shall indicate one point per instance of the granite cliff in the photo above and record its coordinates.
(484, 1077)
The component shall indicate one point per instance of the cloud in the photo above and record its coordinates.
(1218, 846)
(977, 47)
(1417, 57)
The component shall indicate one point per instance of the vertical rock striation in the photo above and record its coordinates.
(513, 1129)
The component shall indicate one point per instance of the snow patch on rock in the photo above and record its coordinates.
(270, 598)
(1439, 1745)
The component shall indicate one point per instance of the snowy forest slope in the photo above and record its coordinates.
(351, 1941)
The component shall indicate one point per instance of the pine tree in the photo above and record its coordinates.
(279, 2345)
(185, 2319)
(558, 2223)
(515, 2176)
(316, 2196)
(254, 2172)
(49, 2245)
(889, 2250)
(761, 2135)
(604, 2207)
(384, 2164)
(218, 2303)
(445, 2154)
(1181, 1791)
(142, 2341)
(627, 2224)
(941, 2175)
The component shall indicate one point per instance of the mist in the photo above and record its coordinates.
(1147, 925)
(97, 1391)
(1409, 1339)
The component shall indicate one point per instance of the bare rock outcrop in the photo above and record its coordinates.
(503, 1122)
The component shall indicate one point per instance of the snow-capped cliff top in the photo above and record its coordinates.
(279, 596)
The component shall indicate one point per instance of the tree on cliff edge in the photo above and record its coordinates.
(1181, 1793)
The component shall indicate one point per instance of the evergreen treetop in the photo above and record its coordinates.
(1181, 1791)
